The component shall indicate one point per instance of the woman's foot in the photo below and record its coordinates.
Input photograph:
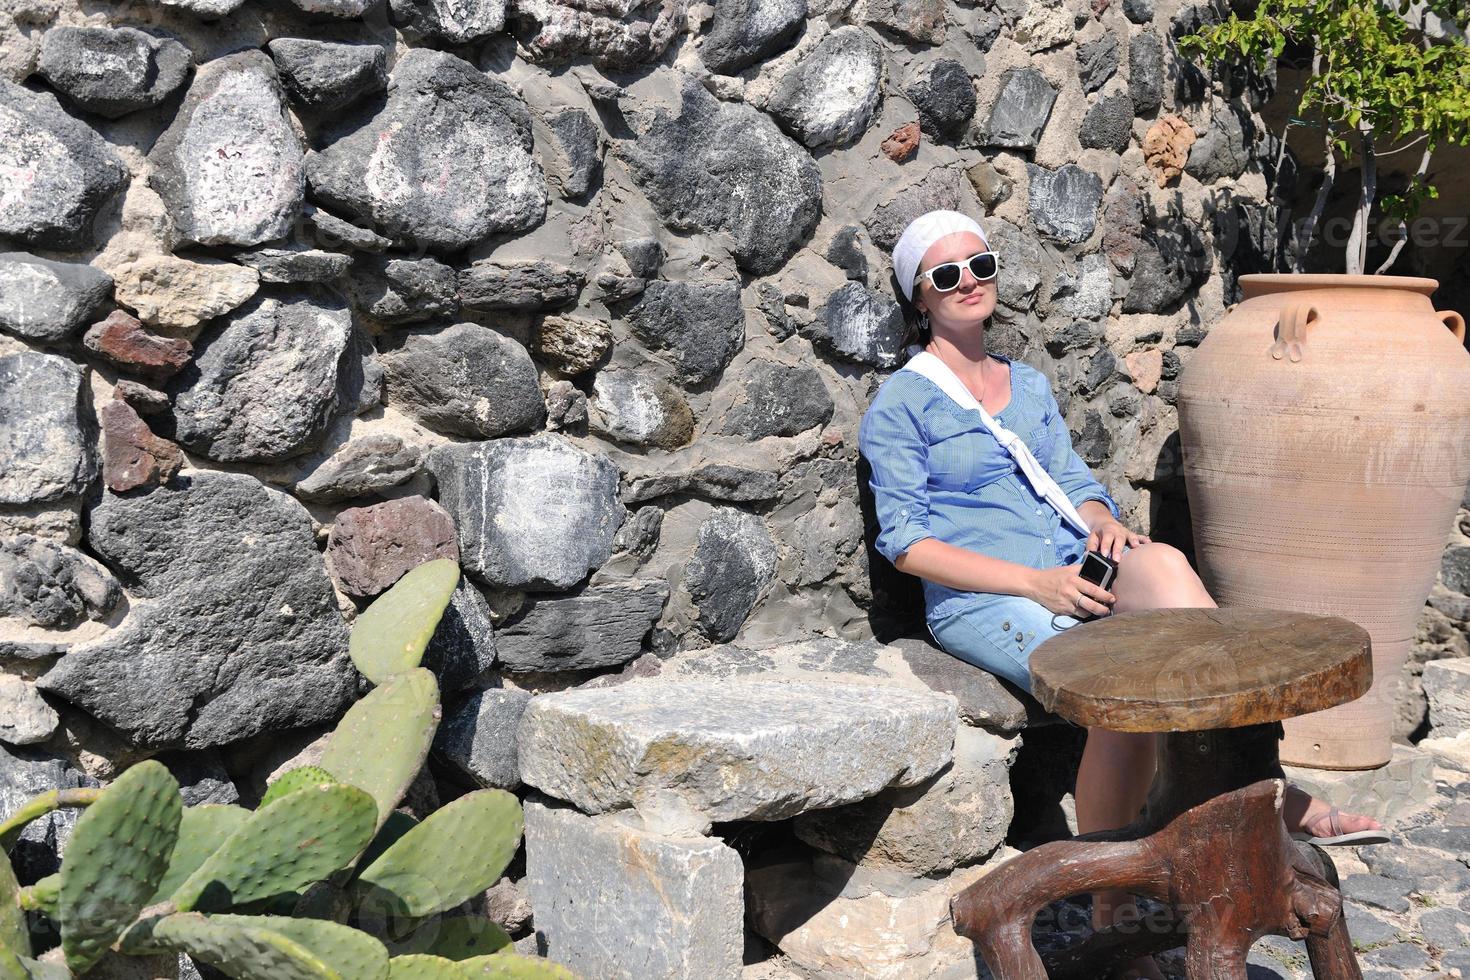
(1320, 820)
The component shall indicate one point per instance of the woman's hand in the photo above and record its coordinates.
(1063, 591)
(1109, 536)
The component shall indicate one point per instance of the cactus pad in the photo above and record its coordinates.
(12, 827)
(509, 966)
(242, 952)
(353, 954)
(201, 832)
(381, 743)
(294, 779)
(391, 634)
(13, 935)
(44, 897)
(15, 967)
(426, 868)
(298, 839)
(117, 855)
(417, 966)
(461, 937)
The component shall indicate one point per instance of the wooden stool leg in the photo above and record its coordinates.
(997, 911)
(1332, 955)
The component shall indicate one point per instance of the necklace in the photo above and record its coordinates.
(984, 381)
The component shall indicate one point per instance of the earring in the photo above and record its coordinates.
(923, 320)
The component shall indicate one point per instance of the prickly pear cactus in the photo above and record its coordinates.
(425, 869)
(118, 854)
(390, 635)
(15, 967)
(12, 827)
(353, 954)
(242, 951)
(298, 839)
(509, 966)
(298, 778)
(459, 937)
(417, 966)
(13, 936)
(44, 896)
(201, 832)
(383, 740)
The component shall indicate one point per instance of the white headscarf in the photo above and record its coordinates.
(922, 232)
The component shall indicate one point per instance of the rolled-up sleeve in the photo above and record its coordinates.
(1065, 466)
(891, 440)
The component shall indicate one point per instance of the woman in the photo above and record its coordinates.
(999, 562)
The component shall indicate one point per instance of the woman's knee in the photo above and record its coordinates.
(1154, 557)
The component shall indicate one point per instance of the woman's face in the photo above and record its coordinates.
(964, 308)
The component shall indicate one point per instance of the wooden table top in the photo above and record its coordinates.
(1171, 670)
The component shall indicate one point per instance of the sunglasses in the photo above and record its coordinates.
(946, 276)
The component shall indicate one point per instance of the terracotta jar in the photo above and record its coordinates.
(1326, 438)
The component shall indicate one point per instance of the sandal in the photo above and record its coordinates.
(1338, 838)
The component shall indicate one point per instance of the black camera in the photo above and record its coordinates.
(1098, 569)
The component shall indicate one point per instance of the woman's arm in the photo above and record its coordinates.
(961, 568)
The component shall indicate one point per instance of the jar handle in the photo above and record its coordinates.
(1291, 329)
(1455, 322)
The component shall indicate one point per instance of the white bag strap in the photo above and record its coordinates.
(931, 367)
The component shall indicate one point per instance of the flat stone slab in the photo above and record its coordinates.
(732, 749)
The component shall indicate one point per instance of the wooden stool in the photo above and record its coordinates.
(1210, 844)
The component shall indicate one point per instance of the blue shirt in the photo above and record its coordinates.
(938, 472)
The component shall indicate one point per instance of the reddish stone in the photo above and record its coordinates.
(132, 456)
(902, 144)
(1166, 147)
(122, 340)
(1146, 367)
(370, 548)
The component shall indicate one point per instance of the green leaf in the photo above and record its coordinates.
(390, 635)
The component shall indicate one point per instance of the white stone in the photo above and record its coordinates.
(1447, 685)
(733, 750)
(1451, 753)
(616, 902)
(25, 717)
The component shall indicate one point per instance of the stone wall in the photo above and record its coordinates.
(590, 296)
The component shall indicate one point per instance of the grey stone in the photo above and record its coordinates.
(397, 290)
(643, 255)
(1376, 890)
(465, 380)
(1146, 72)
(747, 31)
(234, 629)
(619, 34)
(1455, 840)
(860, 324)
(532, 513)
(778, 400)
(295, 264)
(1085, 291)
(328, 75)
(330, 231)
(1400, 957)
(635, 408)
(581, 146)
(205, 9)
(113, 71)
(1074, 335)
(367, 465)
(1139, 11)
(1447, 686)
(1366, 928)
(1168, 264)
(831, 96)
(479, 737)
(1457, 960)
(451, 21)
(639, 535)
(944, 94)
(1445, 928)
(1097, 61)
(714, 481)
(202, 777)
(370, 548)
(25, 717)
(701, 325)
(26, 773)
(52, 585)
(45, 300)
(726, 168)
(1226, 148)
(1455, 568)
(1063, 203)
(923, 21)
(1021, 110)
(669, 906)
(229, 166)
(983, 701)
(597, 627)
(145, 400)
(845, 252)
(939, 188)
(572, 344)
(56, 174)
(732, 749)
(462, 648)
(269, 378)
(566, 407)
(335, 8)
(48, 446)
(1024, 261)
(445, 163)
(1108, 125)
(519, 286)
(733, 563)
(955, 818)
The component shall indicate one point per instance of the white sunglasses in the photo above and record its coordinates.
(946, 276)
